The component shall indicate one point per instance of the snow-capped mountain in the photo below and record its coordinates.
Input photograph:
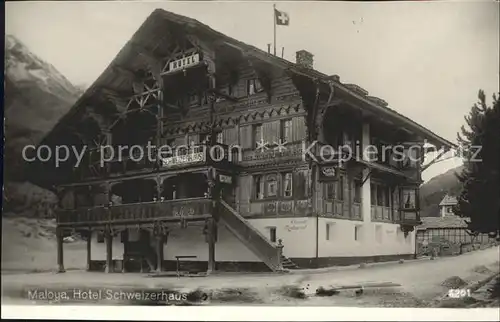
(36, 97)
(21, 65)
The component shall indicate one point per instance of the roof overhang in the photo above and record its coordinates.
(194, 25)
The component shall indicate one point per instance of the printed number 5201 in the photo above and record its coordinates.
(456, 293)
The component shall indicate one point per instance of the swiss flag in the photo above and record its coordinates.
(281, 18)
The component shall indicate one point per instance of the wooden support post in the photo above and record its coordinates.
(211, 246)
(60, 257)
(89, 255)
(159, 253)
(109, 250)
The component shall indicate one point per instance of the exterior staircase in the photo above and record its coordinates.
(287, 263)
(253, 239)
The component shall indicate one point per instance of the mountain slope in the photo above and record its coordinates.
(36, 97)
(433, 191)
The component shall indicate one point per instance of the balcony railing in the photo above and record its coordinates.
(267, 251)
(380, 213)
(136, 212)
(409, 217)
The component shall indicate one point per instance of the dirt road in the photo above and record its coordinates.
(420, 282)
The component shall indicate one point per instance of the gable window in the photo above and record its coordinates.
(286, 131)
(254, 86)
(287, 184)
(257, 134)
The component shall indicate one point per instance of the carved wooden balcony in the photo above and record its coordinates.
(136, 212)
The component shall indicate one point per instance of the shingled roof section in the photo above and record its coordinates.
(450, 221)
(199, 28)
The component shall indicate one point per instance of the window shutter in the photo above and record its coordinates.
(246, 136)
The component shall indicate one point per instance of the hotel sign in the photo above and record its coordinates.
(184, 62)
(183, 159)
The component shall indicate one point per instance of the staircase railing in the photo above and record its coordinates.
(269, 253)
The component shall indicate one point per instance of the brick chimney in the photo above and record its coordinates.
(304, 59)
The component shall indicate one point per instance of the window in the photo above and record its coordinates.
(330, 190)
(254, 86)
(357, 191)
(380, 196)
(449, 209)
(357, 232)
(257, 134)
(272, 234)
(259, 187)
(408, 198)
(100, 237)
(287, 184)
(204, 138)
(329, 231)
(286, 131)
(378, 233)
(272, 185)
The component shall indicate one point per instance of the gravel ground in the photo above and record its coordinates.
(421, 282)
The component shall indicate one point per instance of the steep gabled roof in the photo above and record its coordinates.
(450, 221)
(159, 15)
(448, 201)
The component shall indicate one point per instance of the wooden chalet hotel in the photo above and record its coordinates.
(177, 82)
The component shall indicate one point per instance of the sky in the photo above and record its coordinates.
(426, 59)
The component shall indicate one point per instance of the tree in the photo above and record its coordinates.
(480, 196)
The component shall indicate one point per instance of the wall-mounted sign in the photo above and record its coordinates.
(183, 159)
(184, 62)
(328, 173)
(223, 178)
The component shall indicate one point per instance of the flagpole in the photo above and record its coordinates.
(274, 23)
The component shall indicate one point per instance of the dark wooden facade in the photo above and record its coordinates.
(227, 97)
